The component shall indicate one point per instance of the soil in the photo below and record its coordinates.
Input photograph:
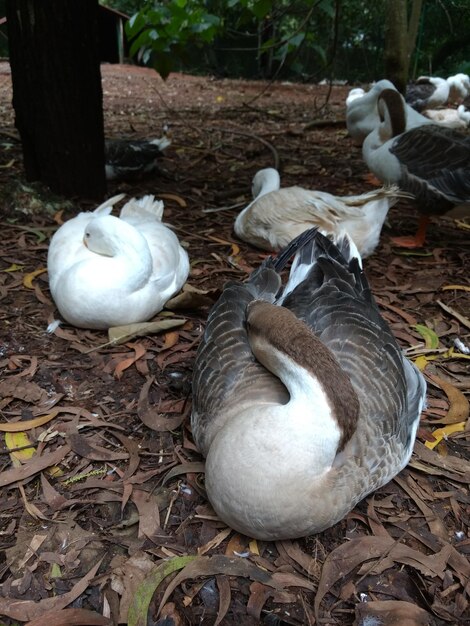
(121, 501)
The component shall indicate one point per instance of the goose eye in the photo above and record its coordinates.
(87, 235)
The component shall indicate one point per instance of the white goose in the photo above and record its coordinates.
(428, 92)
(430, 162)
(459, 87)
(106, 271)
(276, 215)
(302, 401)
(362, 115)
(464, 114)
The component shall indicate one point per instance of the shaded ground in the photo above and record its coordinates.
(124, 489)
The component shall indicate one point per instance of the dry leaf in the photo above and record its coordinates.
(29, 610)
(390, 613)
(28, 279)
(71, 617)
(122, 334)
(16, 427)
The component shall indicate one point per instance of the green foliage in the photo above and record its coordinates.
(162, 31)
(307, 39)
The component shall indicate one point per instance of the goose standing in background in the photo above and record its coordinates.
(362, 115)
(302, 400)
(276, 216)
(108, 271)
(430, 162)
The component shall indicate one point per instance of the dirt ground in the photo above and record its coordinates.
(102, 491)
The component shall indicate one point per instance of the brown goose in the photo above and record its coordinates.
(302, 400)
(430, 162)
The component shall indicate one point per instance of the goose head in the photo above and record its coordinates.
(111, 237)
(265, 181)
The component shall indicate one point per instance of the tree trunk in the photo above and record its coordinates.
(413, 28)
(396, 49)
(57, 93)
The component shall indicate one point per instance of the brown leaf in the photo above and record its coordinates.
(220, 564)
(149, 512)
(225, 597)
(391, 613)
(35, 465)
(120, 368)
(29, 610)
(22, 390)
(459, 406)
(357, 551)
(82, 446)
(149, 414)
(71, 617)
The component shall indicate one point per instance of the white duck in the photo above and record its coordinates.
(276, 215)
(430, 162)
(132, 158)
(362, 115)
(464, 114)
(428, 92)
(106, 271)
(459, 87)
(302, 402)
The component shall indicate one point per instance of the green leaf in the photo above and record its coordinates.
(431, 340)
(138, 610)
(261, 8)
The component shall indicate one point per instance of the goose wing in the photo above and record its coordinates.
(436, 158)
(336, 302)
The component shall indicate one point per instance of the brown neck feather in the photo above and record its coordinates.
(285, 332)
(393, 100)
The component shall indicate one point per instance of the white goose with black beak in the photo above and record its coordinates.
(302, 400)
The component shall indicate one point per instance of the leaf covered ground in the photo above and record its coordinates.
(102, 491)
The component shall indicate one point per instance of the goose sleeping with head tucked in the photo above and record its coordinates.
(108, 271)
(302, 400)
(276, 216)
(430, 162)
(362, 115)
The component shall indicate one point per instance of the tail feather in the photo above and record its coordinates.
(146, 206)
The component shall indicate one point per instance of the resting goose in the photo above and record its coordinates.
(107, 271)
(276, 216)
(459, 87)
(430, 162)
(126, 158)
(464, 114)
(362, 115)
(302, 400)
(428, 92)
(446, 117)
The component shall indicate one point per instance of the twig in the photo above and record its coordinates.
(463, 320)
(252, 136)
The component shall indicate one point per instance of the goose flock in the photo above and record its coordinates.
(303, 402)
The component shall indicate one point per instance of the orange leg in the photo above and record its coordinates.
(413, 242)
(372, 180)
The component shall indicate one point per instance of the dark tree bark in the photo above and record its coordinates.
(395, 51)
(400, 40)
(57, 95)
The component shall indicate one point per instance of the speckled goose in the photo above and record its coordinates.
(302, 400)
